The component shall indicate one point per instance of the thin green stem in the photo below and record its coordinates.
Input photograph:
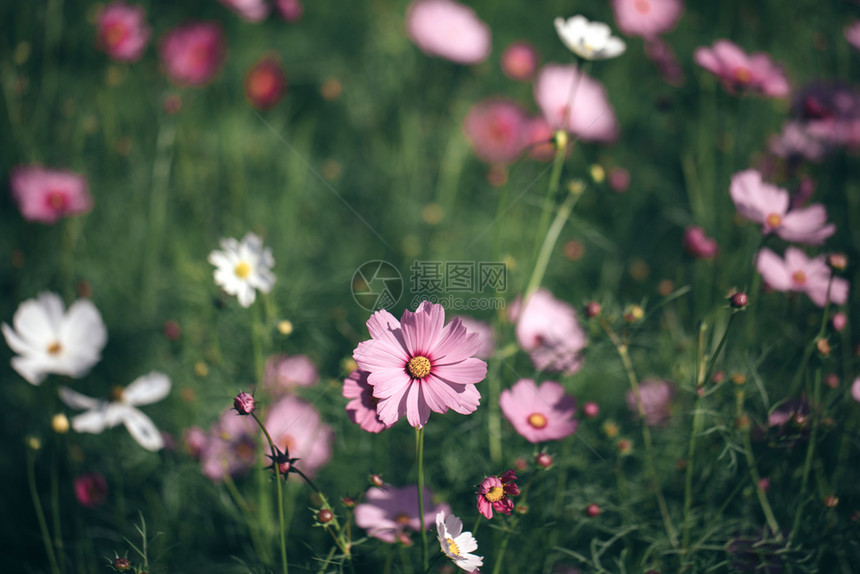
(494, 423)
(549, 242)
(257, 344)
(500, 554)
(40, 514)
(807, 465)
(419, 449)
(161, 168)
(55, 511)
(259, 548)
(281, 525)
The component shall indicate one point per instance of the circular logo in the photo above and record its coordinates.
(376, 285)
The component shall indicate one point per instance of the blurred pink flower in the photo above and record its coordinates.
(494, 492)
(230, 448)
(796, 142)
(195, 440)
(192, 53)
(389, 511)
(768, 205)
(539, 138)
(362, 408)
(571, 100)
(484, 331)
(698, 245)
(420, 364)
(799, 273)
(736, 70)
(449, 30)
(250, 10)
(91, 489)
(852, 34)
(46, 195)
(855, 389)
(664, 58)
(296, 427)
(291, 10)
(496, 128)
(539, 413)
(619, 179)
(647, 18)
(520, 61)
(285, 372)
(548, 330)
(265, 83)
(655, 396)
(122, 31)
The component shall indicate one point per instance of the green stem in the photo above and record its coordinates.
(259, 548)
(283, 537)
(552, 190)
(55, 511)
(158, 212)
(494, 423)
(419, 448)
(807, 465)
(500, 555)
(549, 242)
(257, 344)
(40, 514)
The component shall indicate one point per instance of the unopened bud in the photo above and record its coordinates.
(764, 484)
(121, 563)
(743, 422)
(598, 174)
(244, 403)
(739, 300)
(285, 327)
(739, 378)
(839, 321)
(592, 510)
(521, 464)
(592, 309)
(324, 516)
(718, 377)
(34, 443)
(376, 480)
(831, 501)
(60, 423)
(837, 261)
(172, 331)
(544, 460)
(634, 313)
(348, 501)
(823, 346)
(624, 446)
(832, 380)
(591, 409)
(521, 509)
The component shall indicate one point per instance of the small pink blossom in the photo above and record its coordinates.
(647, 18)
(449, 30)
(193, 53)
(549, 331)
(46, 195)
(573, 101)
(419, 364)
(496, 128)
(539, 413)
(494, 492)
(91, 489)
(250, 10)
(661, 53)
(698, 245)
(520, 61)
(296, 427)
(619, 179)
(855, 389)
(285, 372)
(230, 447)
(797, 142)
(539, 136)
(768, 205)
(799, 273)
(362, 408)
(195, 440)
(265, 83)
(755, 73)
(291, 10)
(122, 31)
(655, 396)
(388, 512)
(839, 321)
(852, 34)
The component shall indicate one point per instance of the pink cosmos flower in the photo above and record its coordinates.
(539, 413)
(539, 136)
(646, 18)
(420, 364)
(496, 128)
(852, 34)
(494, 492)
(122, 31)
(549, 331)
(285, 372)
(768, 205)
(230, 447)
(738, 71)
(192, 53)
(664, 58)
(799, 273)
(855, 389)
(250, 10)
(296, 426)
(797, 142)
(195, 439)
(91, 489)
(571, 100)
(520, 61)
(655, 396)
(485, 332)
(449, 30)
(46, 195)
(265, 83)
(291, 10)
(362, 408)
(389, 511)
(698, 245)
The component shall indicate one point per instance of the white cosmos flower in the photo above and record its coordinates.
(457, 544)
(241, 268)
(589, 40)
(48, 339)
(101, 414)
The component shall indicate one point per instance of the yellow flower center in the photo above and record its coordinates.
(799, 277)
(743, 75)
(495, 494)
(116, 393)
(402, 519)
(418, 367)
(242, 270)
(774, 220)
(537, 420)
(452, 546)
(55, 348)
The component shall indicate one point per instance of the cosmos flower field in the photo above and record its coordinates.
(430, 287)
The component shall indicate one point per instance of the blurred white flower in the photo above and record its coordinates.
(243, 267)
(101, 414)
(49, 340)
(457, 544)
(589, 40)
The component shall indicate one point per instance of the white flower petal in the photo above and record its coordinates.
(78, 401)
(33, 321)
(142, 429)
(33, 369)
(147, 389)
(93, 421)
(15, 342)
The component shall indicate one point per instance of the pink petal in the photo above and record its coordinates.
(388, 382)
(417, 411)
(807, 225)
(466, 372)
(774, 270)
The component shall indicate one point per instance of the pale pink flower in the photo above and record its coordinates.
(855, 389)
(46, 195)
(647, 18)
(494, 492)
(192, 53)
(520, 61)
(420, 364)
(291, 10)
(389, 511)
(573, 101)
(229, 449)
(195, 439)
(796, 141)
(250, 10)
(362, 408)
(496, 128)
(799, 273)
(539, 413)
(852, 34)
(449, 30)
(91, 489)
(548, 330)
(768, 206)
(285, 372)
(122, 31)
(296, 427)
(485, 331)
(738, 71)
(699, 245)
(655, 396)
(265, 83)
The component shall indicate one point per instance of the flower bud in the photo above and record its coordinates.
(324, 516)
(718, 377)
(598, 174)
(837, 261)
(764, 484)
(823, 346)
(60, 423)
(619, 179)
(591, 409)
(698, 245)
(521, 509)
(244, 403)
(121, 563)
(348, 501)
(592, 510)
(624, 446)
(172, 331)
(634, 313)
(831, 501)
(739, 378)
(521, 464)
(285, 327)
(839, 321)
(592, 309)
(832, 380)
(376, 480)
(738, 300)
(544, 460)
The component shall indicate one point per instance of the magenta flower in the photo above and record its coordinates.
(229, 449)
(520, 61)
(91, 489)
(265, 83)
(286, 372)
(755, 73)
(698, 245)
(852, 34)
(799, 273)
(449, 30)
(768, 205)
(296, 427)
(192, 53)
(571, 100)
(122, 31)
(46, 195)
(539, 413)
(389, 511)
(548, 330)
(250, 10)
(362, 408)
(494, 492)
(647, 18)
(655, 396)
(291, 10)
(420, 364)
(497, 130)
